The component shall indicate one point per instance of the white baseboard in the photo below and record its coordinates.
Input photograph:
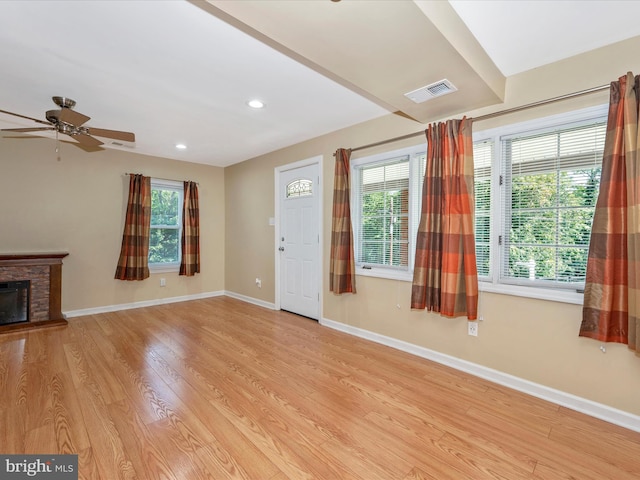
(573, 402)
(254, 301)
(144, 303)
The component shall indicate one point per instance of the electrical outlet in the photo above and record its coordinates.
(163, 282)
(472, 328)
(258, 283)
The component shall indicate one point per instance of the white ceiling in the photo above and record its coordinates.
(179, 72)
(525, 34)
(170, 73)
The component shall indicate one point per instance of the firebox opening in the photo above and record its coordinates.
(14, 302)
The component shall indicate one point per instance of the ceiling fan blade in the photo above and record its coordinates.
(34, 129)
(72, 117)
(24, 116)
(115, 134)
(86, 140)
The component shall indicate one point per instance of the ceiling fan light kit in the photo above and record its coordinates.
(69, 122)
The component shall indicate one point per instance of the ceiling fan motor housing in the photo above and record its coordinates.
(53, 116)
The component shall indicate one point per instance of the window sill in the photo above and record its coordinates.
(557, 295)
(388, 273)
(168, 268)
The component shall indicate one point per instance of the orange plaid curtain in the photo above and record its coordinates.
(342, 269)
(611, 310)
(133, 263)
(445, 278)
(190, 261)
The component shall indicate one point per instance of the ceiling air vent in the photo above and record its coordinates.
(434, 90)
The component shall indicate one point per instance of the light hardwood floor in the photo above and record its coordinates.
(217, 388)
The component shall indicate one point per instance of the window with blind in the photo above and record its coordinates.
(483, 158)
(166, 224)
(385, 191)
(551, 183)
(536, 186)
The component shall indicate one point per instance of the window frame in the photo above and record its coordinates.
(493, 283)
(177, 186)
(414, 154)
(490, 283)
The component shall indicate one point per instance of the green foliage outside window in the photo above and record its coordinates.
(551, 217)
(385, 228)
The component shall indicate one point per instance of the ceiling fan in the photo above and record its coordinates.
(68, 121)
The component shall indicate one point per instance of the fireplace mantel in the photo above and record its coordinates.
(45, 270)
(31, 258)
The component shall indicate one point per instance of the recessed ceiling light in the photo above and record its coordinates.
(181, 146)
(255, 103)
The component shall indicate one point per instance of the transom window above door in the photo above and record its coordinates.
(300, 188)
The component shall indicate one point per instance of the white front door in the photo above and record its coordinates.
(298, 240)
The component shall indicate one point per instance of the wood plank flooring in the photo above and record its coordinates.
(217, 388)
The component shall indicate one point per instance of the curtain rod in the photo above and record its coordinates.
(494, 114)
(159, 178)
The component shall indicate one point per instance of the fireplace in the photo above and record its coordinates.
(14, 302)
(30, 291)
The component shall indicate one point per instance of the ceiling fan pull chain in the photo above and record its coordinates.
(57, 145)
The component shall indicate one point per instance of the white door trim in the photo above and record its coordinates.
(283, 168)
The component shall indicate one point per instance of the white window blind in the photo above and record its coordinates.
(482, 157)
(383, 213)
(550, 187)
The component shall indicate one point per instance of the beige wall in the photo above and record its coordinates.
(249, 197)
(535, 340)
(77, 205)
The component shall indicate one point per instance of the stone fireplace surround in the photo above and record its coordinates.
(44, 270)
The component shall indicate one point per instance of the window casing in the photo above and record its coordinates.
(166, 225)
